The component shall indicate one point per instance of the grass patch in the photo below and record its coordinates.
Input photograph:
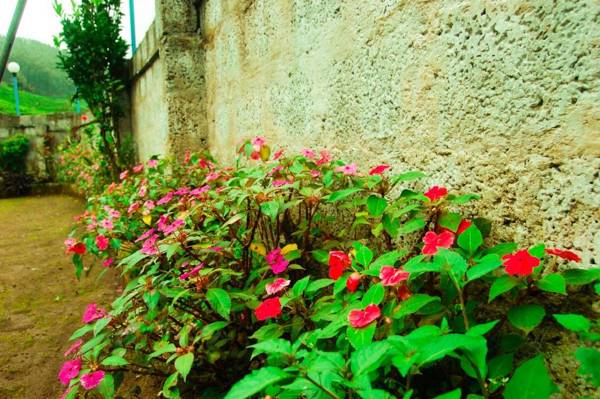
(32, 104)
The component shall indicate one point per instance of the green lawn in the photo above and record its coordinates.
(31, 104)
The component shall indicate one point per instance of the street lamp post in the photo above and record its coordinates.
(14, 69)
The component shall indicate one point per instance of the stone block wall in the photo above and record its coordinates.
(45, 133)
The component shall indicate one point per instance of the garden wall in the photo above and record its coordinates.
(45, 133)
(495, 97)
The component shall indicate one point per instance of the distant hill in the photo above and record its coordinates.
(32, 104)
(39, 71)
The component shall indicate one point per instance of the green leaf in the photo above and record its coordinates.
(220, 301)
(78, 265)
(374, 295)
(300, 286)
(412, 225)
(482, 329)
(470, 240)
(407, 176)
(414, 304)
(450, 221)
(320, 256)
(268, 331)
(361, 337)
(456, 394)
(364, 255)
(530, 381)
(581, 276)
(590, 364)
(462, 199)
(369, 358)
(485, 265)
(318, 284)
(183, 364)
(255, 382)
(114, 361)
(162, 347)
(391, 225)
(107, 387)
(376, 205)
(387, 259)
(339, 195)
(209, 329)
(502, 285)
(270, 208)
(501, 366)
(573, 322)
(553, 283)
(272, 346)
(526, 317)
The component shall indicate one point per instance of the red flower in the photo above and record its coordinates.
(390, 276)
(101, 242)
(353, 281)
(434, 241)
(521, 263)
(435, 193)
(84, 118)
(379, 169)
(564, 253)
(404, 293)
(464, 224)
(338, 262)
(362, 318)
(78, 248)
(268, 309)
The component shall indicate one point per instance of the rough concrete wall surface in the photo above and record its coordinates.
(45, 133)
(499, 98)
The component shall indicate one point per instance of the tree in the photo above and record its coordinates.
(93, 55)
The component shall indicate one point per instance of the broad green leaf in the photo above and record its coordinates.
(501, 366)
(369, 358)
(412, 225)
(114, 361)
(391, 225)
(526, 317)
(456, 394)
(482, 329)
(272, 346)
(374, 295)
(470, 240)
(183, 364)
(462, 199)
(581, 276)
(553, 283)
(573, 322)
(364, 255)
(162, 347)
(407, 176)
(450, 221)
(485, 265)
(78, 263)
(502, 285)
(414, 304)
(318, 284)
(590, 364)
(376, 205)
(220, 301)
(209, 329)
(530, 381)
(300, 286)
(107, 386)
(270, 208)
(255, 382)
(361, 337)
(339, 195)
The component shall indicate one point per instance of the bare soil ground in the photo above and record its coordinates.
(41, 301)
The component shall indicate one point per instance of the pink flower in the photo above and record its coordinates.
(436, 192)
(153, 163)
(216, 248)
(107, 224)
(315, 173)
(390, 276)
(138, 168)
(521, 263)
(191, 273)
(277, 285)
(149, 205)
(277, 262)
(93, 313)
(163, 221)
(258, 142)
(212, 176)
(133, 207)
(108, 262)
(143, 191)
(102, 242)
(124, 175)
(91, 380)
(182, 191)
(277, 155)
(434, 241)
(170, 229)
(166, 199)
(378, 170)
(275, 170)
(74, 348)
(200, 190)
(114, 214)
(362, 318)
(70, 369)
(308, 153)
(279, 183)
(325, 158)
(149, 246)
(348, 170)
(145, 235)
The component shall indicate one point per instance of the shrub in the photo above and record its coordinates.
(14, 179)
(301, 277)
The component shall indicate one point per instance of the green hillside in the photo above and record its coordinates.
(31, 104)
(39, 71)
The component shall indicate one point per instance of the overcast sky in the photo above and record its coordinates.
(39, 21)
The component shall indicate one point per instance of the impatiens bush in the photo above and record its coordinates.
(303, 276)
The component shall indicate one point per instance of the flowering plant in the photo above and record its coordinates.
(302, 276)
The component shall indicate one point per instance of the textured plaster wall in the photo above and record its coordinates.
(495, 97)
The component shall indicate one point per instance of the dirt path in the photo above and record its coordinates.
(41, 301)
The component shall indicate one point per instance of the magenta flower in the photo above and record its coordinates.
(108, 262)
(212, 176)
(149, 246)
(170, 229)
(145, 235)
(138, 168)
(275, 170)
(93, 312)
(74, 348)
(193, 272)
(102, 242)
(258, 142)
(308, 153)
(163, 221)
(166, 199)
(277, 262)
(92, 380)
(153, 163)
(69, 370)
(200, 190)
(277, 285)
(279, 183)
(348, 170)
(216, 248)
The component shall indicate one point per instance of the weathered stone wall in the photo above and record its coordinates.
(45, 133)
(498, 97)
